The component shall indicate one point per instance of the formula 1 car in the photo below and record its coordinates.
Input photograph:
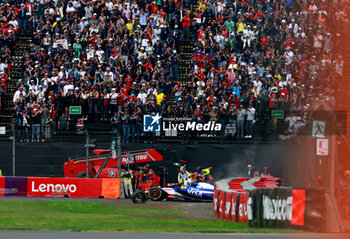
(196, 192)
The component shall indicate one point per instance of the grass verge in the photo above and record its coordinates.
(99, 216)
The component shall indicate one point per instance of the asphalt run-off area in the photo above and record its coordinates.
(126, 235)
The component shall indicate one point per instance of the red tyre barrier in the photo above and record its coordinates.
(231, 200)
(228, 202)
(298, 207)
(216, 203)
(233, 207)
(243, 207)
(2, 186)
(221, 205)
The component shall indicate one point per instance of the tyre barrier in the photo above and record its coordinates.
(262, 203)
(231, 196)
(53, 187)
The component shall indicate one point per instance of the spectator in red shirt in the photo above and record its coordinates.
(186, 26)
(264, 41)
(273, 101)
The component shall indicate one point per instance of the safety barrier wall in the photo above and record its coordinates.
(231, 196)
(230, 205)
(270, 207)
(287, 207)
(54, 187)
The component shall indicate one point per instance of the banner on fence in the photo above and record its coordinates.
(52, 187)
(231, 206)
(285, 207)
(271, 207)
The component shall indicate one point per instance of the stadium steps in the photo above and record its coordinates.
(185, 61)
(17, 53)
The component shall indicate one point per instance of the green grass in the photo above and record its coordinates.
(99, 216)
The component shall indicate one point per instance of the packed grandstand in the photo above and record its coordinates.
(229, 61)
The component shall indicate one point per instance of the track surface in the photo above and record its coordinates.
(125, 235)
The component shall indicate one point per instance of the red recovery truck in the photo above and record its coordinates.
(106, 166)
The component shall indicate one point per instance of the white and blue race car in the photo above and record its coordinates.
(198, 192)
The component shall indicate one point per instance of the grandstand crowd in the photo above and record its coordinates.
(119, 59)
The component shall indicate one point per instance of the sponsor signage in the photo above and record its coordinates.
(72, 187)
(242, 202)
(277, 208)
(231, 206)
(227, 207)
(322, 147)
(222, 197)
(215, 203)
(52, 187)
(284, 207)
(270, 207)
(137, 158)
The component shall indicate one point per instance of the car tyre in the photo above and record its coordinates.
(139, 196)
(156, 194)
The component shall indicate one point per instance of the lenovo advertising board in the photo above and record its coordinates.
(53, 187)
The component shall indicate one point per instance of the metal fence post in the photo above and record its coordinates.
(119, 149)
(13, 151)
(87, 153)
(119, 154)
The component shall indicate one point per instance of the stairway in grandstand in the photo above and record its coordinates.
(185, 61)
(186, 56)
(184, 67)
(22, 45)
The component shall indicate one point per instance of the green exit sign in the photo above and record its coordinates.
(75, 110)
(277, 114)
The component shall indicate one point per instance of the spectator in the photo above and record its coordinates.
(25, 127)
(44, 111)
(63, 126)
(241, 115)
(250, 121)
(48, 128)
(126, 126)
(230, 132)
(36, 119)
(98, 50)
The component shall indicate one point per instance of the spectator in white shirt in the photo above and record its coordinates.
(68, 86)
(18, 92)
(250, 121)
(142, 96)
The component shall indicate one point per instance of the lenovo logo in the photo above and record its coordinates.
(54, 187)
